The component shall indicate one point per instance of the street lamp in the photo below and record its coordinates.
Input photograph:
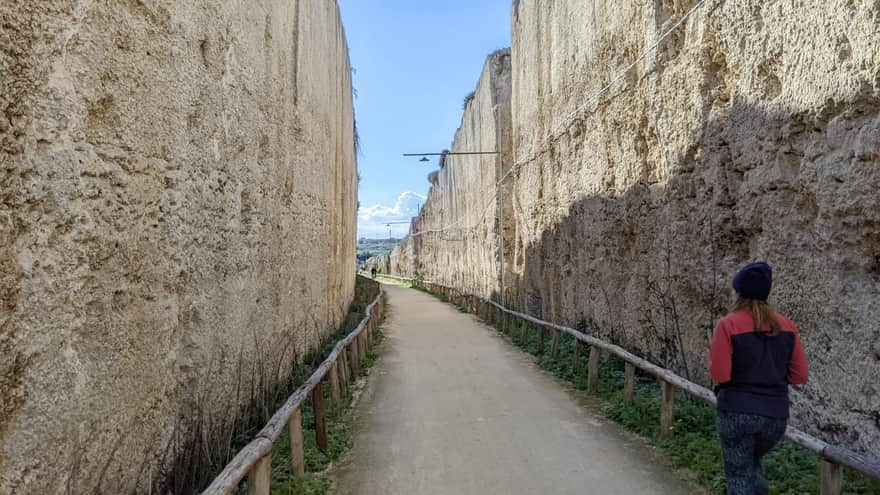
(450, 153)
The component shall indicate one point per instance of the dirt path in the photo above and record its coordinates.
(453, 409)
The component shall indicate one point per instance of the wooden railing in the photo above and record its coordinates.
(833, 458)
(340, 368)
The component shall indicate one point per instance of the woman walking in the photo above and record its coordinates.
(755, 355)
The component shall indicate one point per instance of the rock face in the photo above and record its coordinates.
(744, 136)
(177, 223)
(455, 239)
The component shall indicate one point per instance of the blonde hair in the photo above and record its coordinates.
(762, 314)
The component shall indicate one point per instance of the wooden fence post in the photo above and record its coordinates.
(335, 395)
(524, 337)
(297, 456)
(355, 360)
(577, 355)
(667, 408)
(260, 476)
(343, 371)
(831, 478)
(541, 332)
(320, 421)
(554, 346)
(629, 382)
(593, 369)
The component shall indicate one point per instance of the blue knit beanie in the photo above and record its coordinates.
(754, 281)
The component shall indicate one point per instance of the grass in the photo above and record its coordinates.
(339, 423)
(693, 442)
(339, 436)
(204, 440)
(468, 99)
(390, 281)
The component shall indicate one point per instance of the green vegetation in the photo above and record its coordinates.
(339, 424)
(339, 430)
(468, 99)
(693, 442)
(202, 445)
(391, 281)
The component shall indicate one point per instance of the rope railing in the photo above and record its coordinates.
(833, 458)
(340, 367)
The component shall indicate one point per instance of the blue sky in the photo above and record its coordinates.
(414, 62)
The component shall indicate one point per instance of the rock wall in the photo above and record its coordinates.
(381, 263)
(747, 135)
(454, 240)
(177, 223)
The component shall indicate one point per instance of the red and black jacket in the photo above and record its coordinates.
(753, 368)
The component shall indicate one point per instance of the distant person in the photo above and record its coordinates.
(755, 355)
(373, 272)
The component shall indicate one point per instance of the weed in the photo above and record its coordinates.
(201, 445)
(468, 99)
(339, 435)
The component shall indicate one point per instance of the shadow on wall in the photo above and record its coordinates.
(650, 269)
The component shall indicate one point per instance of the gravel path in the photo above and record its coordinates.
(453, 409)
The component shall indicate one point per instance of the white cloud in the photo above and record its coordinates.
(372, 220)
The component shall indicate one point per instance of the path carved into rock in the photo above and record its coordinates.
(453, 409)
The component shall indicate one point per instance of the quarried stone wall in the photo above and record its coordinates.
(751, 133)
(177, 224)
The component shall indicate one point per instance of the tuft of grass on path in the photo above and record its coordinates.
(693, 442)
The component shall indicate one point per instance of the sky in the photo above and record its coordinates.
(413, 61)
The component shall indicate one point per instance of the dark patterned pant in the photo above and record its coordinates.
(745, 439)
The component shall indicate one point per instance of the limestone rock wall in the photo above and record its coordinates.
(177, 223)
(752, 133)
(381, 263)
(455, 239)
